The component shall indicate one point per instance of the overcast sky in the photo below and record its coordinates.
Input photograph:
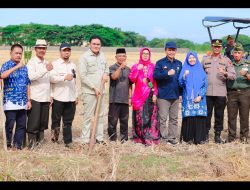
(151, 23)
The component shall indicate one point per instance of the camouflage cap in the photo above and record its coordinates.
(238, 47)
(229, 37)
(216, 42)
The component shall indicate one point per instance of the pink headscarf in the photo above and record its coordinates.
(141, 60)
(142, 90)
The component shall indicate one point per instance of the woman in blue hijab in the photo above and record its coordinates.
(193, 80)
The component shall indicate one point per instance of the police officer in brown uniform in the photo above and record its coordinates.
(219, 69)
(238, 94)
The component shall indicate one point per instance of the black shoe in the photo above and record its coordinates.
(100, 142)
(229, 140)
(9, 147)
(218, 140)
(243, 140)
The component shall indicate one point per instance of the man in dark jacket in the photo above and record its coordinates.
(166, 73)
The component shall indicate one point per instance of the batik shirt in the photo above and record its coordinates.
(15, 87)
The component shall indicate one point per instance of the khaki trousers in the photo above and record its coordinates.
(89, 103)
(168, 109)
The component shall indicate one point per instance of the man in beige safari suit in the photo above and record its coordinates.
(94, 72)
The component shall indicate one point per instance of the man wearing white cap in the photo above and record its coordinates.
(65, 96)
(38, 116)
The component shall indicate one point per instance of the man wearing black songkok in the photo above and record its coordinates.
(119, 97)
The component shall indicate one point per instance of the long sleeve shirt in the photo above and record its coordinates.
(241, 82)
(142, 89)
(189, 107)
(40, 80)
(168, 86)
(63, 90)
(92, 68)
(217, 80)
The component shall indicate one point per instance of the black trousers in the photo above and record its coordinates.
(38, 119)
(19, 117)
(66, 112)
(193, 129)
(121, 112)
(218, 103)
(238, 101)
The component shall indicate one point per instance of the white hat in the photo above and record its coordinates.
(41, 43)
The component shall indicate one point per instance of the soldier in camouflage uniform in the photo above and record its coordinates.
(229, 47)
(219, 69)
(238, 93)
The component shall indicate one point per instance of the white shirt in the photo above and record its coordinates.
(10, 106)
(40, 80)
(63, 90)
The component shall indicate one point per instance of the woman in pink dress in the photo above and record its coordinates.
(146, 128)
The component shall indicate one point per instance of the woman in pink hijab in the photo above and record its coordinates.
(146, 128)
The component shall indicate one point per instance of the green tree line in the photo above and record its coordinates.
(26, 34)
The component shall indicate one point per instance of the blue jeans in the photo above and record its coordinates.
(18, 116)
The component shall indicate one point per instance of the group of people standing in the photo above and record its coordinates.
(153, 90)
(202, 87)
(29, 91)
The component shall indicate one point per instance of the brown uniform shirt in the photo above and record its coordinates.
(217, 80)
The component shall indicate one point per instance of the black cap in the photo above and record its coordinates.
(216, 42)
(170, 45)
(64, 46)
(120, 50)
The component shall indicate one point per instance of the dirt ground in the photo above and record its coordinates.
(123, 162)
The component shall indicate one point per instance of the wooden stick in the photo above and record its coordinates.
(2, 116)
(94, 123)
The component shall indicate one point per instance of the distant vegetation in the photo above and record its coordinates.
(77, 35)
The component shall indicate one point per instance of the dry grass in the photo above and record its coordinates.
(124, 162)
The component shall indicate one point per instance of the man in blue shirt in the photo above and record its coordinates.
(166, 73)
(16, 96)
